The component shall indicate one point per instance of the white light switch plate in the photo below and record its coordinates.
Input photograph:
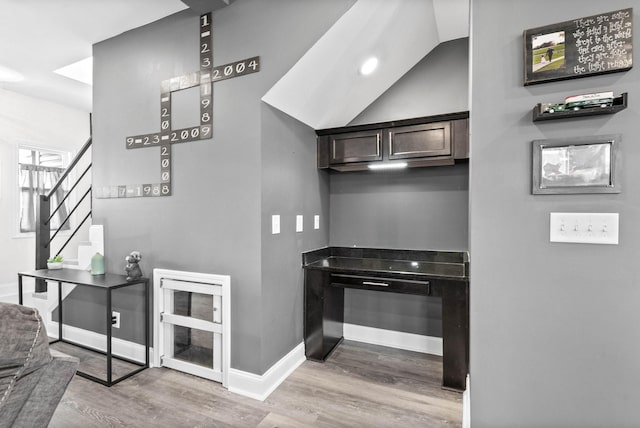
(316, 222)
(299, 223)
(585, 228)
(275, 224)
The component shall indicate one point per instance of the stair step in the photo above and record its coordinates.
(96, 234)
(86, 250)
(71, 264)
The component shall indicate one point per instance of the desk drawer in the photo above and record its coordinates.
(381, 284)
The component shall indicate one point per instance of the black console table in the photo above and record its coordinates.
(328, 271)
(107, 282)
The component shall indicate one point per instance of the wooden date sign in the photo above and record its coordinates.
(166, 136)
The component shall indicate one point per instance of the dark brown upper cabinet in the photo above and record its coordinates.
(420, 142)
(363, 146)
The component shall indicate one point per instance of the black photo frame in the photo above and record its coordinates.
(576, 165)
(582, 47)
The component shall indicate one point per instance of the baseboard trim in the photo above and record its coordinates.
(393, 339)
(8, 290)
(466, 406)
(120, 347)
(259, 387)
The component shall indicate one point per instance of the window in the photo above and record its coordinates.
(38, 171)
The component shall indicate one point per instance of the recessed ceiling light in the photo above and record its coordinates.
(9, 75)
(390, 165)
(369, 66)
(82, 71)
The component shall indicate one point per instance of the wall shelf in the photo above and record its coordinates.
(619, 103)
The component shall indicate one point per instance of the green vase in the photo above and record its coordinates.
(97, 264)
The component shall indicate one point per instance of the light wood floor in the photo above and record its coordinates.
(360, 385)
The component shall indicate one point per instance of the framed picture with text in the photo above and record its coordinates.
(581, 47)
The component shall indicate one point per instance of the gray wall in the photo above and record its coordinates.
(214, 220)
(291, 185)
(260, 162)
(554, 327)
(425, 208)
(438, 84)
(421, 208)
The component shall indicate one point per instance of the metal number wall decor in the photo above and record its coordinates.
(204, 78)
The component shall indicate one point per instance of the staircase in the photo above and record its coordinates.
(45, 236)
(86, 249)
(47, 302)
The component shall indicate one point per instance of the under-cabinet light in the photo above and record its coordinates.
(391, 165)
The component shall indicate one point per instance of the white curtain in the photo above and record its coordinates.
(38, 180)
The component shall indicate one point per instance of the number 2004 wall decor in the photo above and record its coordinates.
(204, 78)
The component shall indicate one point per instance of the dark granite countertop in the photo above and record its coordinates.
(427, 263)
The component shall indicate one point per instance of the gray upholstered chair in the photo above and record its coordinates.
(32, 378)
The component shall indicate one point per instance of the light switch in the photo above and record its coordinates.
(299, 223)
(316, 222)
(275, 224)
(585, 228)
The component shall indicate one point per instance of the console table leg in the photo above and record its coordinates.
(109, 327)
(59, 309)
(20, 289)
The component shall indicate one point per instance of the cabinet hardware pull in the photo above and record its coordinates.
(381, 284)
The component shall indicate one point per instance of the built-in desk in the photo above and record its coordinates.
(108, 283)
(328, 271)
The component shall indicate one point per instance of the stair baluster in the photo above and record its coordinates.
(44, 234)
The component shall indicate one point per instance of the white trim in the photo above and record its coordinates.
(97, 341)
(191, 322)
(203, 278)
(393, 339)
(466, 406)
(259, 387)
(9, 299)
(191, 286)
(9, 289)
(195, 369)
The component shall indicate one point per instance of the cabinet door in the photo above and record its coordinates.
(363, 146)
(460, 137)
(420, 141)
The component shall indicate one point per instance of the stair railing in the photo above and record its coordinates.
(44, 234)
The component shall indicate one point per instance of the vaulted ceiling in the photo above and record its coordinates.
(326, 89)
(40, 36)
(323, 89)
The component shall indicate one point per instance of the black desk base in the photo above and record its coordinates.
(324, 314)
(108, 282)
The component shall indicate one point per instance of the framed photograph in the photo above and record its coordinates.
(576, 165)
(581, 47)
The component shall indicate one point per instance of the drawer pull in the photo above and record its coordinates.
(379, 284)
